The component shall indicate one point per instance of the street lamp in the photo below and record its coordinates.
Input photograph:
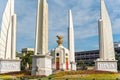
(71, 64)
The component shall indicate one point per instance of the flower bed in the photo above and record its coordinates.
(64, 75)
(82, 72)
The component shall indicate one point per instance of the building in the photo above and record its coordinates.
(117, 44)
(27, 50)
(87, 56)
(90, 56)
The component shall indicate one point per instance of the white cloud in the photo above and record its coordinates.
(116, 26)
(60, 3)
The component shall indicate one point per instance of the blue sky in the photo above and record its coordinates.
(85, 18)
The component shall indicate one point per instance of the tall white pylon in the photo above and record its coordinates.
(71, 40)
(41, 46)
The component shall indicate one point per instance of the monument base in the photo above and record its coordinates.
(41, 65)
(7, 65)
(106, 65)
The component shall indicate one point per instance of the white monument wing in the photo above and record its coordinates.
(6, 31)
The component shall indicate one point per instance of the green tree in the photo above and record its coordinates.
(118, 62)
(81, 65)
(26, 61)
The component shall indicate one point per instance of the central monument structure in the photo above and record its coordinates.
(60, 54)
(41, 61)
(107, 61)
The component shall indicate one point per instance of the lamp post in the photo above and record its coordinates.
(71, 64)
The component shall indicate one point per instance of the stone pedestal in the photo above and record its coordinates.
(41, 65)
(106, 65)
(7, 65)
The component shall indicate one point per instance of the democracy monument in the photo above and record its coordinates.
(60, 58)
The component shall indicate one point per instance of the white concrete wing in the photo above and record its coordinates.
(105, 35)
(8, 32)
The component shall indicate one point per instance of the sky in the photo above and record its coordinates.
(85, 17)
